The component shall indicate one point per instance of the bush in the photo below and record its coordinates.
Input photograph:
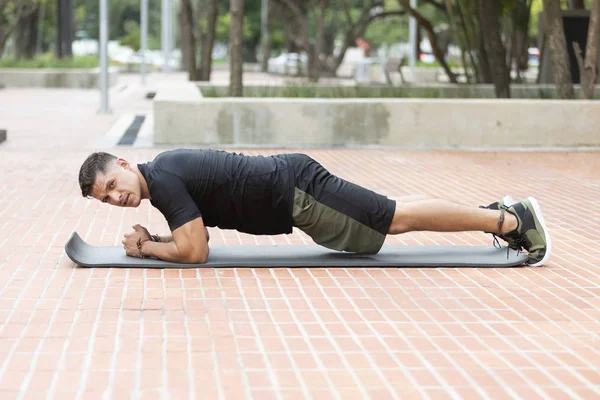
(48, 60)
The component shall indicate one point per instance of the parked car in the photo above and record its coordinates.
(287, 64)
(534, 56)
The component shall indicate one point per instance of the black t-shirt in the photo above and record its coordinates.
(252, 194)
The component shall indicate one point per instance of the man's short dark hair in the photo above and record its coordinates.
(96, 162)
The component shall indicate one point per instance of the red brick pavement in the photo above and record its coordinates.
(70, 332)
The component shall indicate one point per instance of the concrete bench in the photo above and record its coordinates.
(183, 117)
(73, 78)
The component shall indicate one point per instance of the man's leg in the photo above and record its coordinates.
(413, 197)
(521, 224)
(445, 216)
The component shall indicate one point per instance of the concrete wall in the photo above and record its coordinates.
(55, 78)
(189, 119)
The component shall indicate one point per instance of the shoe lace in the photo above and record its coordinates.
(515, 244)
(518, 244)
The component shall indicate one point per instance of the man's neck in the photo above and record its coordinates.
(144, 185)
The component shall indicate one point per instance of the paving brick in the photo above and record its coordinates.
(384, 333)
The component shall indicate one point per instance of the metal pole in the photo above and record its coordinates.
(144, 37)
(413, 42)
(172, 25)
(164, 17)
(104, 56)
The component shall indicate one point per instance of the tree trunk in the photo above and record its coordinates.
(484, 64)
(26, 35)
(64, 32)
(557, 46)
(433, 40)
(236, 30)
(330, 34)
(184, 31)
(289, 34)
(468, 46)
(490, 23)
(265, 36)
(200, 32)
(312, 59)
(588, 77)
(209, 40)
(39, 40)
(578, 4)
(9, 22)
(320, 43)
(522, 17)
(188, 39)
(289, 21)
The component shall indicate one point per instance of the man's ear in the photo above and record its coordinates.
(121, 162)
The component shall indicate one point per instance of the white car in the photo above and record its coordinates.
(287, 64)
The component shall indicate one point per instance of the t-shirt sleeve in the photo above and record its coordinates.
(172, 199)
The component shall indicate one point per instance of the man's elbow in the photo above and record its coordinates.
(197, 257)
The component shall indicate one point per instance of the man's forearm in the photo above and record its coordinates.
(165, 251)
(166, 239)
(169, 238)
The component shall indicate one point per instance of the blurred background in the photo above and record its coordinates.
(371, 42)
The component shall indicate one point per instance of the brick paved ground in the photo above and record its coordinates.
(69, 332)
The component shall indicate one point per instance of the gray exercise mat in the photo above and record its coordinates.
(87, 255)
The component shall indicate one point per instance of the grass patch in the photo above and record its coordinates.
(460, 91)
(49, 61)
(336, 92)
(435, 64)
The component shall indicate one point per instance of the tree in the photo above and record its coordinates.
(188, 39)
(208, 40)
(11, 13)
(490, 21)
(265, 35)
(355, 29)
(302, 35)
(588, 67)
(578, 4)
(433, 39)
(64, 34)
(318, 41)
(236, 36)
(518, 26)
(557, 45)
(468, 23)
(25, 35)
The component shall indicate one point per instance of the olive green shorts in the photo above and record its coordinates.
(338, 214)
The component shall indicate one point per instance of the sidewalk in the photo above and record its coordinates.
(73, 333)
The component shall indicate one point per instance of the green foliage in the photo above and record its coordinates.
(133, 37)
(222, 28)
(47, 60)
(462, 91)
(125, 14)
(390, 30)
(537, 7)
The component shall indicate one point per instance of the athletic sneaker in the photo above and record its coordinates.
(505, 201)
(531, 233)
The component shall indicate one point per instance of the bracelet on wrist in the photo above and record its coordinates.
(139, 246)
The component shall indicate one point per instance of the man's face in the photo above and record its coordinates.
(119, 186)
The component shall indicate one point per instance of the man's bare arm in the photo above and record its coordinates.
(188, 244)
(169, 238)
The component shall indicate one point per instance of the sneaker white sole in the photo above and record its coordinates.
(540, 217)
(508, 201)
